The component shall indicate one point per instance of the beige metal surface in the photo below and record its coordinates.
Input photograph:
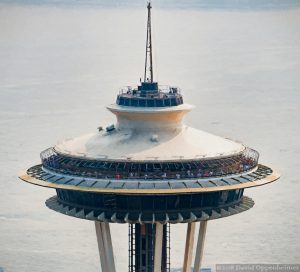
(105, 246)
(189, 244)
(150, 145)
(150, 134)
(158, 247)
(200, 246)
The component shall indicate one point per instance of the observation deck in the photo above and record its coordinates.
(240, 163)
(150, 95)
(149, 169)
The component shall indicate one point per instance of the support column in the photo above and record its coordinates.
(189, 244)
(105, 246)
(158, 247)
(200, 246)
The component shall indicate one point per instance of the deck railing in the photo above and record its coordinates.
(179, 169)
(161, 88)
(165, 96)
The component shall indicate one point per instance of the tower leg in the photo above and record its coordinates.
(105, 247)
(189, 243)
(158, 247)
(200, 246)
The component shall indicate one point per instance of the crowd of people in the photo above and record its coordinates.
(232, 166)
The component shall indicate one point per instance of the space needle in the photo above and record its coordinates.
(150, 170)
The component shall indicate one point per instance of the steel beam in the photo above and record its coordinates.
(158, 247)
(200, 246)
(105, 246)
(189, 244)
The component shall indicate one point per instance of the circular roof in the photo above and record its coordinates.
(119, 144)
(179, 108)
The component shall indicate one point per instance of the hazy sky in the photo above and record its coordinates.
(189, 4)
(60, 67)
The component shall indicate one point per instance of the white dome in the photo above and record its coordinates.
(138, 138)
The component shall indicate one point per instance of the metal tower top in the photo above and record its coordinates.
(149, 169)
(149, 94)
(149, 150)
(148, 76)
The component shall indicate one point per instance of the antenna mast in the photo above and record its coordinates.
(148, 76)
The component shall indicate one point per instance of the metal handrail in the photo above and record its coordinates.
(202, 168)
(161, 88)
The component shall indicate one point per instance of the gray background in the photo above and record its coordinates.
(62, 63)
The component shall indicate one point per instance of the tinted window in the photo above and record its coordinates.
(173, 102)
(150, 103)
(121, 101)
(142, 103)
(160, 203)
(159, 102)
(134, 102)
(127, 101)
(147, 202)
(134, 202)
(196, 200)
(143, 167)
(167, 102)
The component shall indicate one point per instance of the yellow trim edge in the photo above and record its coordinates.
(27, 178)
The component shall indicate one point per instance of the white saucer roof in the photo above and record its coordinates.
(139, 138)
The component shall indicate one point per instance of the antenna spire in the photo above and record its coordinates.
(148, 76)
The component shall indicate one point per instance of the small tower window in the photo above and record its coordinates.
(150, 102)
(142, 103)
(159, 102)
(167, 102)
(173, 102)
